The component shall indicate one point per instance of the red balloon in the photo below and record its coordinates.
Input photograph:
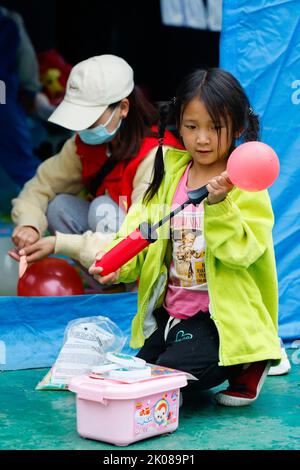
(253, 166)
(50, 277)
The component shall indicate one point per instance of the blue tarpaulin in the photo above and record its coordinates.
(260, 46)
(32, 328)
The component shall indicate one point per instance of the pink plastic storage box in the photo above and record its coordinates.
(121, 413)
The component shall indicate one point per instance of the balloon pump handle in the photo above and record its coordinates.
(136, 241)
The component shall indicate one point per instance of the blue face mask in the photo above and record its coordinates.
(99, 135)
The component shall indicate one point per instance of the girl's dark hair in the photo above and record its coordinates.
(137, 125)
(224, 99)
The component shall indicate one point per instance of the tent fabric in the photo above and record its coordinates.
(32, 328)
(260, 46)
(195, 14)
(16, 154)
(8, 190)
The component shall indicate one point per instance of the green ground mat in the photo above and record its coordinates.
(33, 419)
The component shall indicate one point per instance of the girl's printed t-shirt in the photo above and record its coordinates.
(187, 291)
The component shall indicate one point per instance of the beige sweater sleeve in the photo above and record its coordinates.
(84, 247)
(61, 173)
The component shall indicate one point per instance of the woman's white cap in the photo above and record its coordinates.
(93, 85)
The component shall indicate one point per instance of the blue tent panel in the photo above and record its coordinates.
(32, 328)
(260, 46)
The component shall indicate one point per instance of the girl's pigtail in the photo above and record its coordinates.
(252, 128)
(158, 169)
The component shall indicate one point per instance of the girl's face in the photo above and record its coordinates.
(200, 136)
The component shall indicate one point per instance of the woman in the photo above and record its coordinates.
(111, 155)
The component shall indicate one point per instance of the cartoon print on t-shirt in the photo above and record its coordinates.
(188, 265)
(184, 254)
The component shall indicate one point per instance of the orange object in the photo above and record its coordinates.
(22, 266)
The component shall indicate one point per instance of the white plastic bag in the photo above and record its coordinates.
(86, 341)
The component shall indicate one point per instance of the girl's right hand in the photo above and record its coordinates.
(218, 187)
(96, 271)
(24, 236)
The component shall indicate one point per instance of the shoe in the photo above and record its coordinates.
(283, 367)
(245, 388)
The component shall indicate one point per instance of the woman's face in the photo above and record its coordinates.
(120, 112)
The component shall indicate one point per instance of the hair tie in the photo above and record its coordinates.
(250, 111)
(161, 141)
(173, 101)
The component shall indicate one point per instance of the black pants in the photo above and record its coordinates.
(191, 346)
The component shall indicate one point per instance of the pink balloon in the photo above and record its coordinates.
(253, 166)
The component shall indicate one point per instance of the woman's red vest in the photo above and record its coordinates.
(119, 182)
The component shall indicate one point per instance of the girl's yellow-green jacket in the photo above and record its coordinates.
(240, 268)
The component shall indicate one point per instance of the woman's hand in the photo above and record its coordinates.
(109, 279)
(25, 236)
(218, 188)
(39, 250)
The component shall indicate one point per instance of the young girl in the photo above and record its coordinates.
(111, 155)
(221, 323)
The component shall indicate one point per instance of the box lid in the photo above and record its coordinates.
(102, 389)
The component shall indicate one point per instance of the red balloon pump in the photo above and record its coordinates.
(252, 166)
(142, 237)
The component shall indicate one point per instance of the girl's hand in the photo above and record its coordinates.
(25, 236)
(218, 188)
(109, 279)
(39, 250)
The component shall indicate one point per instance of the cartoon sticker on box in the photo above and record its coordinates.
(161, 412)
(143, 413)
(158, 412)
